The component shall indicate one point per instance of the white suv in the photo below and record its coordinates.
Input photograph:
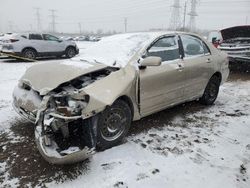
(33, 45)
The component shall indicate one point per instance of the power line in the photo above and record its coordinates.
(207, 2)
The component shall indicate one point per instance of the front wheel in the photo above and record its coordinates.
(70, 52)
(113, 125)
(211, 91)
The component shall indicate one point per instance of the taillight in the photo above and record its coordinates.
(216, 45)
(13, 40)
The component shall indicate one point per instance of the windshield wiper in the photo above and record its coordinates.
(117, 63)
(84, 60)
(97, 61)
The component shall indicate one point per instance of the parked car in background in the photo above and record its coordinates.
(235, 41)
(1, 41)
(81, 38)
(94, 38)
(88, 103)
(3, 38)
(33, 45)
(67, 38)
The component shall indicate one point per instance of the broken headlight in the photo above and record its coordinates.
(70, 105)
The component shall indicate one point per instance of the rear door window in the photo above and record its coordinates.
(50, 37)
(35, 37)
(192, 46)
(206, 49)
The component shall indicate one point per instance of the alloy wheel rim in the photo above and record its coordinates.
(30, 55)
(71, 53)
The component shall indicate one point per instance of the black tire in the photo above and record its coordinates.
(29, 53)
(70, 52)
(211, 91)
(113, 125)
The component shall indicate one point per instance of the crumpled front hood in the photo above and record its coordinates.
(236, 32)
(45, 77)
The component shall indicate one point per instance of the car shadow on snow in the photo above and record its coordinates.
(18, 149)
(165, 117)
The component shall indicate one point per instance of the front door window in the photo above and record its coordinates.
(166, 48)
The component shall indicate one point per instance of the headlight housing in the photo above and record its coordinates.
(70, 105)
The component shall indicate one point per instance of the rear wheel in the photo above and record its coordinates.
(29, 54)
(70, 52)
(211, 91)
(113, 125)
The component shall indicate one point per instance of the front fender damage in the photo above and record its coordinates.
(66, 131)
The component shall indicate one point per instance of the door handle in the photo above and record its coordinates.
(208, 60)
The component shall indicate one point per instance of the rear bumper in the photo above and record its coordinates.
(237, 53)
(239, 58)
(225, 75)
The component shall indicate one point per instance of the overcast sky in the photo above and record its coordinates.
(109, 15)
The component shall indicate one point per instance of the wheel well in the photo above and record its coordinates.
(218, 75)
(129, 102)
(30, 48)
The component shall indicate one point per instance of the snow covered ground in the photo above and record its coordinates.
(186, 146)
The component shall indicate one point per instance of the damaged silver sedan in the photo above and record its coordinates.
(87, 104)
(235, 41)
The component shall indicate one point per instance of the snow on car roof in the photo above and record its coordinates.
(117, 50)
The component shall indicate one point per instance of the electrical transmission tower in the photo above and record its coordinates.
(125, 25)
(193, 14)
(38, 19)
(80, 27)
(175, 21)
(53, 20)
(11, 27)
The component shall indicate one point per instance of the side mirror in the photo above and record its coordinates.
(150, 61)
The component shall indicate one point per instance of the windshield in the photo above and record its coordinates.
(115, 50)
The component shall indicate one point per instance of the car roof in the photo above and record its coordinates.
(161, 33)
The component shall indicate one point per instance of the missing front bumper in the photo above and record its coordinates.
(53, 155)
